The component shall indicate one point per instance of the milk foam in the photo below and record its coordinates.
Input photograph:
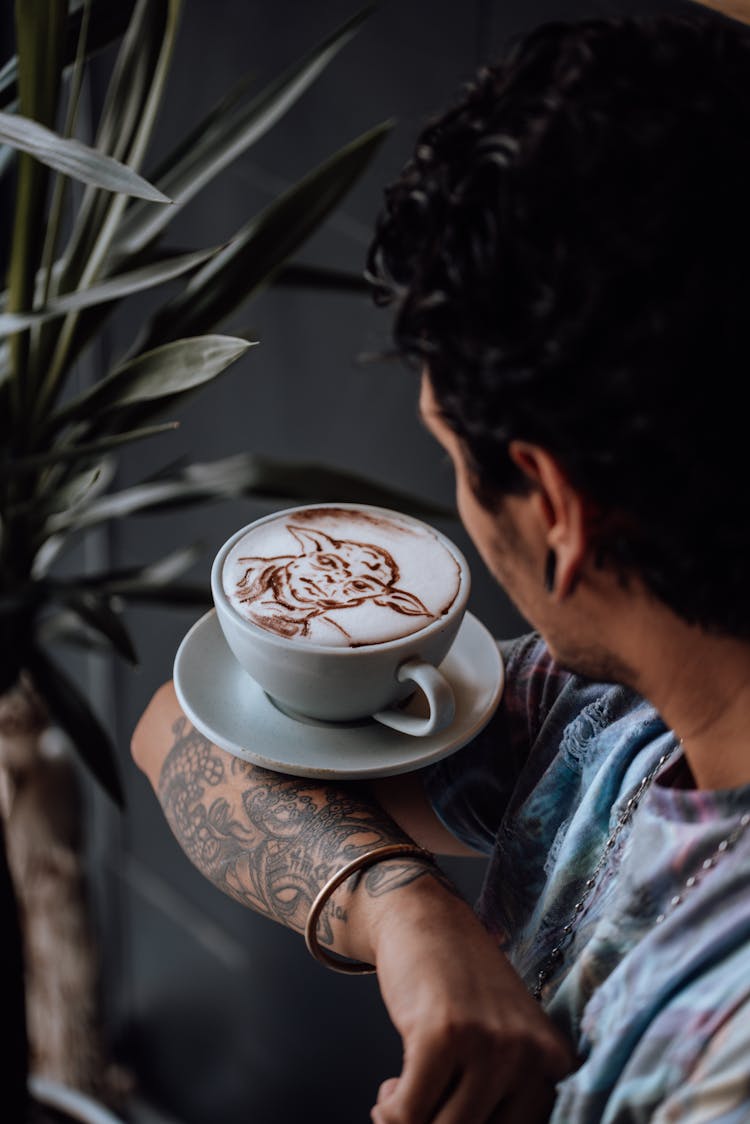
(341, 577)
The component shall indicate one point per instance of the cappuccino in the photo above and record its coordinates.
(341, 576)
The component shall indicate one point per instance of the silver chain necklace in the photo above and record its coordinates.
(623, 819)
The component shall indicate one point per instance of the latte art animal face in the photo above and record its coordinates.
(328, 574)
(315, 582)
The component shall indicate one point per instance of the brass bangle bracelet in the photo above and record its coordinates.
(387, 851)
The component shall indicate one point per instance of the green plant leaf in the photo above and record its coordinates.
(154, 581)
(248, 474)
(101, 617)
(131, 105)
(139, 498)
(74, 158)
(66, 494)
(62, 626)
(108, 22)
(224, 134)
(49, 550)
(114, 288)
(62, 182)
(143, 413)
(139, 66)
(262, 246)
(7, 159)
(165, 471)
(9, 81)
(83, 452)
(152, 574)
(245, 474)
(89, 322)
(40, 34)
(82, 486)
(71, 710)
(165, 371)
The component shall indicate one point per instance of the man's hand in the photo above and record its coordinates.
(478, 1049)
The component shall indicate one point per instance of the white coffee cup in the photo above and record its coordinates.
(344, 680)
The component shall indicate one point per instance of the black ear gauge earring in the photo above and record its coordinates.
(550, 568)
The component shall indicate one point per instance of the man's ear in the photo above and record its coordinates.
(559, 509)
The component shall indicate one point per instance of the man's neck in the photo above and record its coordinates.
(700, 685)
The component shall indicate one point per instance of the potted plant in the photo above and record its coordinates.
(77, 253)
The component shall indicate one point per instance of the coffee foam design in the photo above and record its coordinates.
(340, 577)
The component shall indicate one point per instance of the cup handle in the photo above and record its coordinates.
(439, 695)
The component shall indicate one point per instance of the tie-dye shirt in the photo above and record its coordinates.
(653, 991)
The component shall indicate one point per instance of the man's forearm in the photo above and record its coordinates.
(270, 841)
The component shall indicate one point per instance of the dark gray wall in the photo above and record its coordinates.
(223, 1015)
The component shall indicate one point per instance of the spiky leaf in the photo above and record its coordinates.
(160, 573)
(40, 33)
(265, 243)
(96, 612)
(108, 22)
(133, 99)
(81, 452)
(74, 158)
(121, 285)
(224, 134)
(245, 474)
(165, 371)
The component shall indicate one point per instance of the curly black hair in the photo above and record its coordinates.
(568, 252)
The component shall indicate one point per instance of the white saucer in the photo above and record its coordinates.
(225, 704)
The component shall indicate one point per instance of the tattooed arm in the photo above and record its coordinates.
(473, 1037)
(267, 840)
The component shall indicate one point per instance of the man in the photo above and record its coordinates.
(568, 256)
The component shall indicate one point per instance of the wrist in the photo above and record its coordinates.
(374, 873)
(392, 897)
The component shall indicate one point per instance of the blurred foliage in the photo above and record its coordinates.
(75, 259)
